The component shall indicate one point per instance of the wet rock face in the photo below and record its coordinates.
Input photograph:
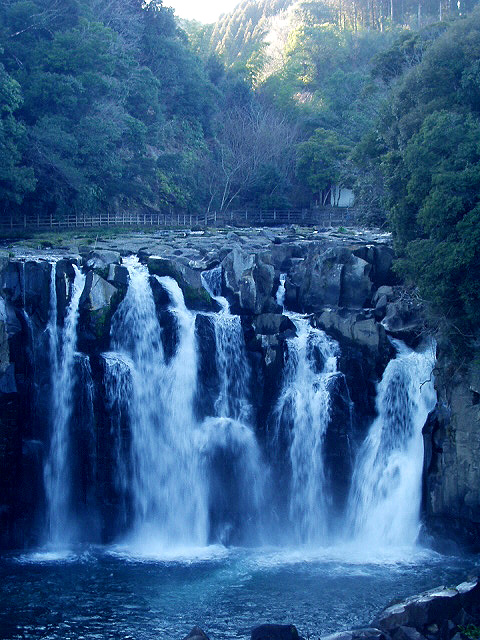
(249, 282)
(452, 460)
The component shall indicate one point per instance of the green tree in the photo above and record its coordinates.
(320, 162)
(428, 144)
(15, 178)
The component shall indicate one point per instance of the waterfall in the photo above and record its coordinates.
(236, 480)
(280, 295)
(233, 369)
(236, 470)
(231, 358)
(212, 283)
(301, 418)
(386, 487)
(57, 476)
(117, 382)
(166, 484)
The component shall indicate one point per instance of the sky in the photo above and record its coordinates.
(202, 10)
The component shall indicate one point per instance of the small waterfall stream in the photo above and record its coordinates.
(63, 345)
(166, 483)
(231, 359)
(302, 413)
(386, 487)
(229, 441)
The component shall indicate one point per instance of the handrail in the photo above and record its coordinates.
(324, 216)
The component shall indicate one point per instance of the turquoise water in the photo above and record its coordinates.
(130, 593)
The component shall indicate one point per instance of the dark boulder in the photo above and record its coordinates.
(407, 633)
(269, 324)
(196, 634)
(101, 258)
(431, 607)
(118, 275)
(275, 632)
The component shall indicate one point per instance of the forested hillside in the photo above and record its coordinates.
(112, 106)
(426, 144)
(104, 106)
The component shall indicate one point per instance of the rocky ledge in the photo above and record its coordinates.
(444, 613)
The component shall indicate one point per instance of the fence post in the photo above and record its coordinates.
(51, 220)
(215, 218)
(274, 215)
(38, 221)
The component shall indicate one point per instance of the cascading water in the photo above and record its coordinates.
(231, 359)
(63, 344)
(212, 282)
(228, 440)
(301, 418)
(386, 488)
(280, 295)
(167, 484)
(181, 480)
(117, 382)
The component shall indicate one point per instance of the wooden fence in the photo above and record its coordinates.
(326, 217)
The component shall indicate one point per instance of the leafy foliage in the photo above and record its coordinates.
(15, 179)
(93, 101)
(428, 148)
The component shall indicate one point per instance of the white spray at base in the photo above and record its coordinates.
(384, 505)
(63, 345)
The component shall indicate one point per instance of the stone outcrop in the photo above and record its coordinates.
(452, 456)
(358, 327)
(436, 614)
(188, 277)
(101, 258)
(249, 282)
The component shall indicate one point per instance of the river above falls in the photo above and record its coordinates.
(119, 593)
